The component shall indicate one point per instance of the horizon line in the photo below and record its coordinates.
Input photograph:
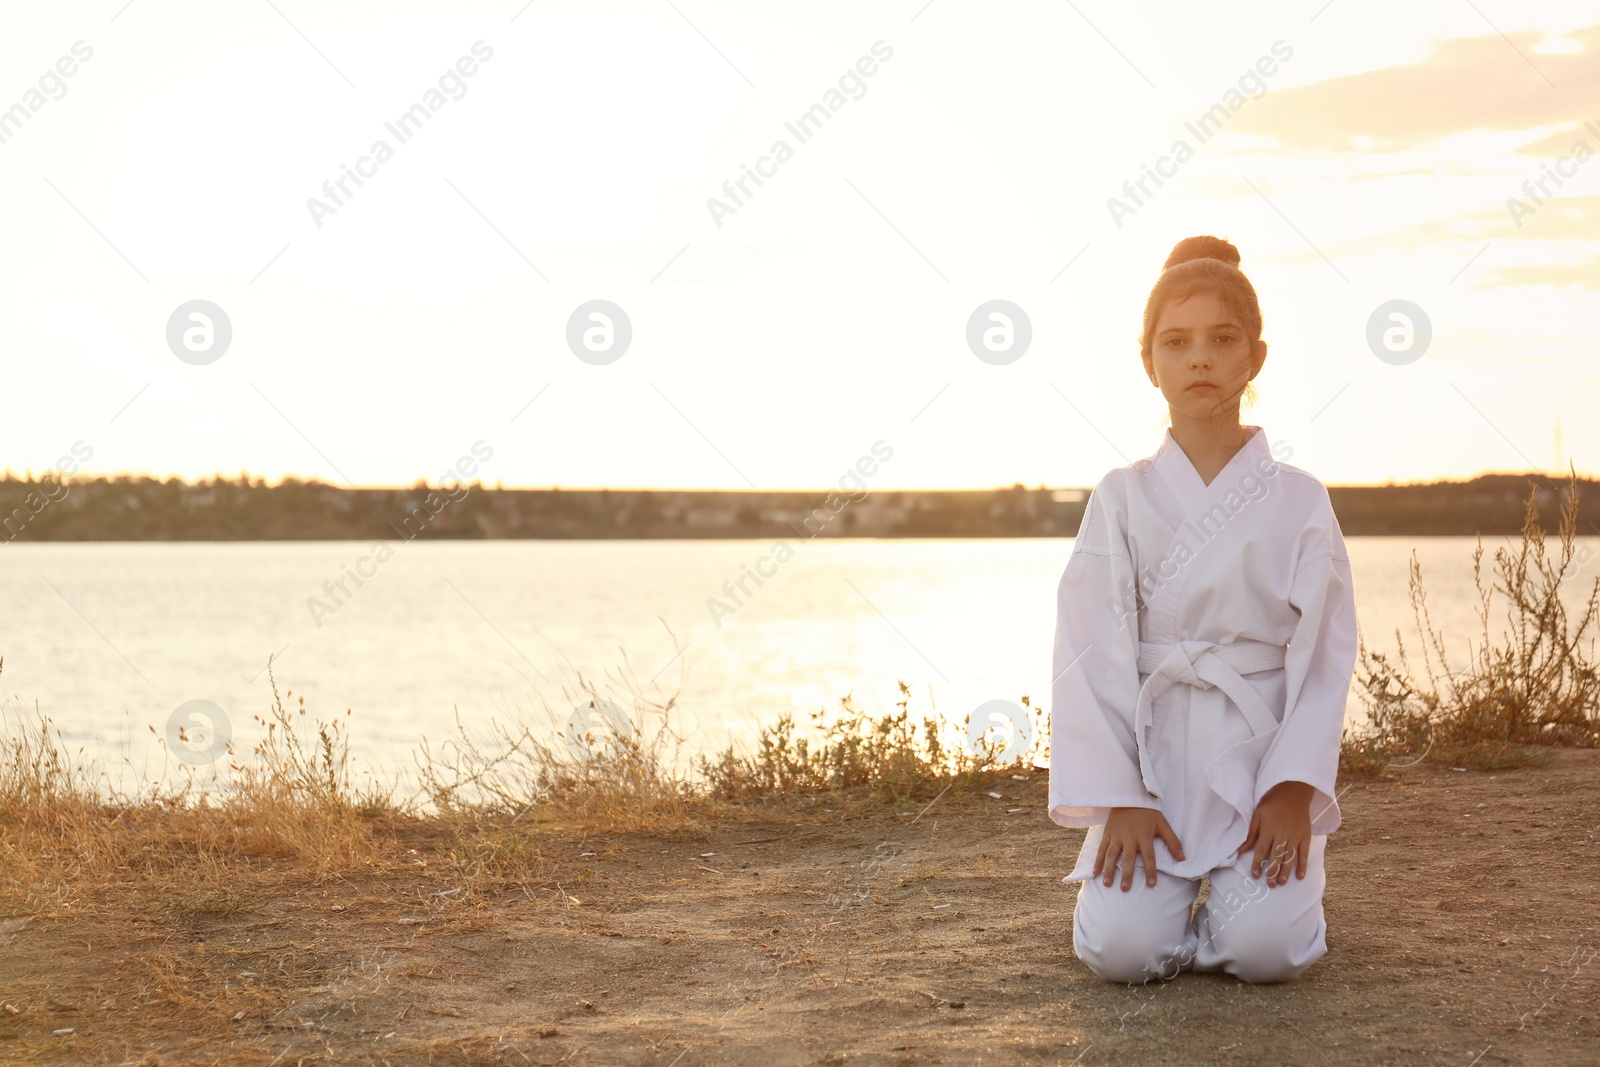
(500, 486)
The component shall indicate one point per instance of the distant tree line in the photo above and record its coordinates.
(220, 509)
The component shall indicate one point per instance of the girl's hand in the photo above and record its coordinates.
(1280, 831)
(1131, 833)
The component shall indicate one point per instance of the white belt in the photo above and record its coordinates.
(1203, 665)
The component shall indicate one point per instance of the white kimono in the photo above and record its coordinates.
(1173, 688)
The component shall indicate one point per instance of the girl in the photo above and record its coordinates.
(1205, 639)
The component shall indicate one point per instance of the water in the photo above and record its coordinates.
(108, 639)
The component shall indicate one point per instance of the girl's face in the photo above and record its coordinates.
(1200, 340)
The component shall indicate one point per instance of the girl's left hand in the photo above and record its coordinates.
(1280, 831)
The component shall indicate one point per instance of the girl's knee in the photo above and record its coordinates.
(1263, 952)
(1265, 964)
(1130, 962)
(1132, 948)
(1263, 934)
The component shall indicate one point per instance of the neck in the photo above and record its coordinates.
(1208, 439)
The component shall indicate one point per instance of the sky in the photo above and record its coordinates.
(159, 154)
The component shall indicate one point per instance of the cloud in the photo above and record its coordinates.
(1466, 83)
(700, 264)
(1581, 275)
(1572, 218)
(1558, 245)
(1562, 141)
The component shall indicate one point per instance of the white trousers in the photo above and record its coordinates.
(1246, 928)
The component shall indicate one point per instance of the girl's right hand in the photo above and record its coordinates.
(1129, 834)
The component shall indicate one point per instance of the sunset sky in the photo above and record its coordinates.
(1392, 153)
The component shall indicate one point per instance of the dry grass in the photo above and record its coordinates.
(895, 757)
(613, 765)
(62, 838)
(1536, 686)
(290, 810)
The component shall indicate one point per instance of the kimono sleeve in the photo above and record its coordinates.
(1094, 764)
(1317, 669)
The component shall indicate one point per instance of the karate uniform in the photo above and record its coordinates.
(1205, 640)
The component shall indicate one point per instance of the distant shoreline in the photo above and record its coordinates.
(629, 540)
(146, 509)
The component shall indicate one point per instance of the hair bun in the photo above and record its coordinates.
(1202, 248)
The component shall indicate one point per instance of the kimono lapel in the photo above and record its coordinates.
(1161, 580)
(1176, 471)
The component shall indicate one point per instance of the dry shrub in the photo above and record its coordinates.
(611, 768)
(64, 838)
(53, 826)
(1536, 686)
(294, 798)
(892, 756)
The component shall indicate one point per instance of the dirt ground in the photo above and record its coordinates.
(1462, 911)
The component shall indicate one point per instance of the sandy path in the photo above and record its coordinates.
(820, 939)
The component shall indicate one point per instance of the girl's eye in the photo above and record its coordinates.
(1225, 338)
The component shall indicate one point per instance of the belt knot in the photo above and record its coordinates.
(1204, 665)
